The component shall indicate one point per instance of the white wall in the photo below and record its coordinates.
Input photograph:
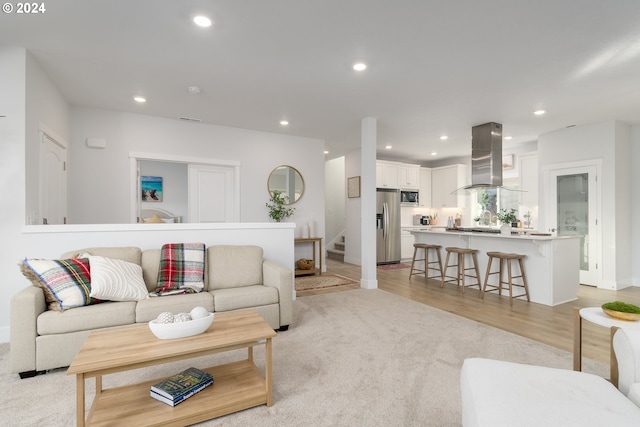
(12, 176)
(46, 110)
(353, 246)
(635, 204)
(610, 143)
(334, 198)
(100, 182)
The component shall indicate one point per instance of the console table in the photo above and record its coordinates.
(317, 255)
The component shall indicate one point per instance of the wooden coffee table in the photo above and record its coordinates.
(237, 385)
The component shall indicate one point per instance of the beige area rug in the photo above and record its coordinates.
(309, 283)
(354, 358)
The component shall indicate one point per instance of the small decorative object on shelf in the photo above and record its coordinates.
(621, 310)
(277, 209)
(180, 387)
(305, 264)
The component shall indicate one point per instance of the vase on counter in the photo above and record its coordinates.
(505, 229)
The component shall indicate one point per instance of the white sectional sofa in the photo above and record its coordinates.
(235, 278)
(497, 393)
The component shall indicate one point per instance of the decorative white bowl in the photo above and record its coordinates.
(169, 331)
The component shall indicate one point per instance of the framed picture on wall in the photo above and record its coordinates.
(507, 161)
(151, 187)
(353, 187)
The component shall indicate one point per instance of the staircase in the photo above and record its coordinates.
(337, 252)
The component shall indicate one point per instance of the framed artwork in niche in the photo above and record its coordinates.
(151, 187)
(353, 187)
(507, 161)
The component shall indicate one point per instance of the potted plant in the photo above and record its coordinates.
(507, 218)
(277, 209)
(433, 219)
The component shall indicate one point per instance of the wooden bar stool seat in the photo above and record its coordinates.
(426, 264)
(502, 259)
(462, 272)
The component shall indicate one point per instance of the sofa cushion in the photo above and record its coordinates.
(86, 318)
(149, 309)
(150, 262)
(66, 283)
(116, 280)
(234, 266)
(181, 268)
(243, 297)
(125, 253)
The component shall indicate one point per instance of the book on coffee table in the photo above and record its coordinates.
(181, 386)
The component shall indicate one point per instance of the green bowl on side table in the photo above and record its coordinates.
(622, 311)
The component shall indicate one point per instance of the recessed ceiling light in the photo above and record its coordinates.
(388, 147)
(194, 90)
(444, 137)
(539, 112)
(508, 137)
(326, 152)
(202, 21)
(284, 122)
(434, 153)
(140, 99)
(360, 66)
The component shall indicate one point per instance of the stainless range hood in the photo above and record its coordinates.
(486, 157)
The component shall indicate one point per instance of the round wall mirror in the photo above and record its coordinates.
(288, 181)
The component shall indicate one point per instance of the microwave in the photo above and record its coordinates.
(409, 198)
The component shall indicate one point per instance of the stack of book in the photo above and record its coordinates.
(181, 386)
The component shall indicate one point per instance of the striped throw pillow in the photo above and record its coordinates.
(66, 283)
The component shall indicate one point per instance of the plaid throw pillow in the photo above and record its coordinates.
(181, 268)
(66, 282)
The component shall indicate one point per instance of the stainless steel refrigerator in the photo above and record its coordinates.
(387, 226)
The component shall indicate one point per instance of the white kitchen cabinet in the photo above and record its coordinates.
(409, 176)
(386, 175)
(529, 180)
(406, 245)
(446, 180)
(425, 188)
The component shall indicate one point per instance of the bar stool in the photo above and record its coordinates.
(461, 270)
(506, 258)
(426, 263)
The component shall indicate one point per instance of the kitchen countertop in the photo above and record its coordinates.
(514, 235)
(552, 263)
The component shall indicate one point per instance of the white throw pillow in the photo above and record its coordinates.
(116, 280)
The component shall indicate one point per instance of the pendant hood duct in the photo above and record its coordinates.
(486, 156)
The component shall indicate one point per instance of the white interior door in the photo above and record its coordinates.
(53, 181)
(573, 208)
(213, 194)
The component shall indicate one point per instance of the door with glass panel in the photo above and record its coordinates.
(573, 212)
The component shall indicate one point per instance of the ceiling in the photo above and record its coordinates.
(434, 67)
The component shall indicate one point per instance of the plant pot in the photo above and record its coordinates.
(505, 229)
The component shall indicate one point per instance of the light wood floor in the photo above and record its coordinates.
(550, 325)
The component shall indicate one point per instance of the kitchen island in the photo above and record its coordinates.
(552, 265)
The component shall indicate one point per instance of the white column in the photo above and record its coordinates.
(368, 202)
